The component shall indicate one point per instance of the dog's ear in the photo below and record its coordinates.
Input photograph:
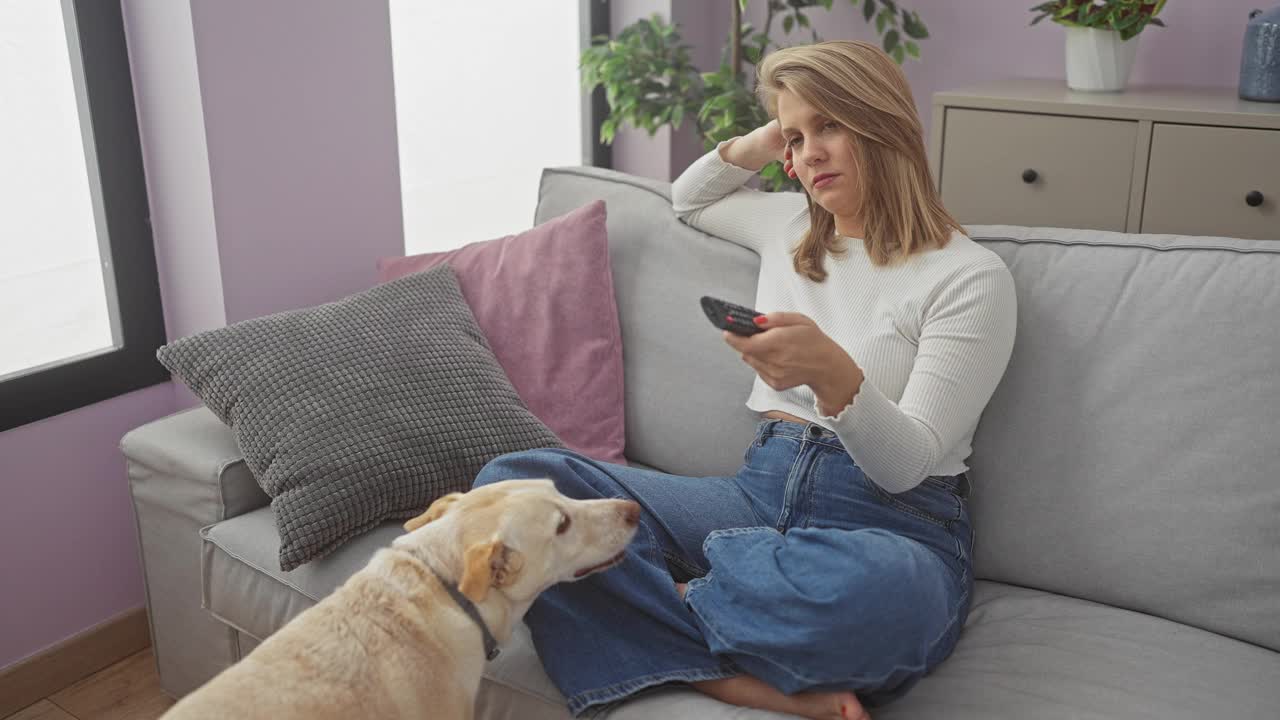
(488, 564)
(437, 508)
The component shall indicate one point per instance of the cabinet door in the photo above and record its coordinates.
(1202, 180)
(1025, 169)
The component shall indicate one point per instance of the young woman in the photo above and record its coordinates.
(834, 569)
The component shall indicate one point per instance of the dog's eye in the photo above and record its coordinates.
(563, 527)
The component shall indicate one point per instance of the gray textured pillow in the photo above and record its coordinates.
(362, 410)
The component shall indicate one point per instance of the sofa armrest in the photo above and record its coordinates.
(185, 473)
(197, 467)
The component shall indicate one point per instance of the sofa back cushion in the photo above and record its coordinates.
(1131, 454)
(686, 391)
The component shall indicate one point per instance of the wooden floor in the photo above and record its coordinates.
(128, 690)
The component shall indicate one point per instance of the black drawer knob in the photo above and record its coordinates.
(1254, 198)
(1029, 175)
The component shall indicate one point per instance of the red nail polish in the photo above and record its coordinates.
(759, 319)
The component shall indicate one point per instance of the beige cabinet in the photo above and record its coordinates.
(1191, 161)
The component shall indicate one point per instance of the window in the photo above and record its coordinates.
(80, 315)
(487, 95)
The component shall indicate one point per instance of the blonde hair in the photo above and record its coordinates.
(861, 88)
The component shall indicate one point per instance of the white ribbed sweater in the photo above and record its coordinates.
(932, 335)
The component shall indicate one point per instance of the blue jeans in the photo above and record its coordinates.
(801, 571)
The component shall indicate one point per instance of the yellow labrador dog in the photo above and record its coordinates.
(407, 635)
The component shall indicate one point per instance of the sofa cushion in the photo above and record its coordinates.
(1023, 653)
(544, 299)
(1129, 455)
(361, 410)
(1031, 654)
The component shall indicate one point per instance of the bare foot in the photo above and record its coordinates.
(748, 691)
(842, 705)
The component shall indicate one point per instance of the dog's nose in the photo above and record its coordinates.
(631, 512)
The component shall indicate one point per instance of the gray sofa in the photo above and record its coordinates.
(1126, 479)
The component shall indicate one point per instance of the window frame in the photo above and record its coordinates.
(121, 180)
(594, 19)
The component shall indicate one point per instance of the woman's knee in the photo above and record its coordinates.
(517, 465)
(814, 607)
(574, 475)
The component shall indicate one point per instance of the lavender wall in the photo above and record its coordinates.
(68, 549)
(702, 29)
(300, 119)
(269, 141)
(634, 149)
(972, 41)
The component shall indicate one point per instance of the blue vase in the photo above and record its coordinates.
(1260, 57)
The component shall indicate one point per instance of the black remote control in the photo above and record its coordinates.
(728, 316)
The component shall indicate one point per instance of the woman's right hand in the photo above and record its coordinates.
(759, 148)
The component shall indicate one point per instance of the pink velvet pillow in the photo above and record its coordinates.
(544, 299)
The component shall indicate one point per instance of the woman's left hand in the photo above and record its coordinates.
(793, 351)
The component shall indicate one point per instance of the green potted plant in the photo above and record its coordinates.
(649, 80)
(1101, 38)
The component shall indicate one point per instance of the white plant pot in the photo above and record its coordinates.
(1098, 60)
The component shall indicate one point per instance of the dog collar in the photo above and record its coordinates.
(468, 607)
